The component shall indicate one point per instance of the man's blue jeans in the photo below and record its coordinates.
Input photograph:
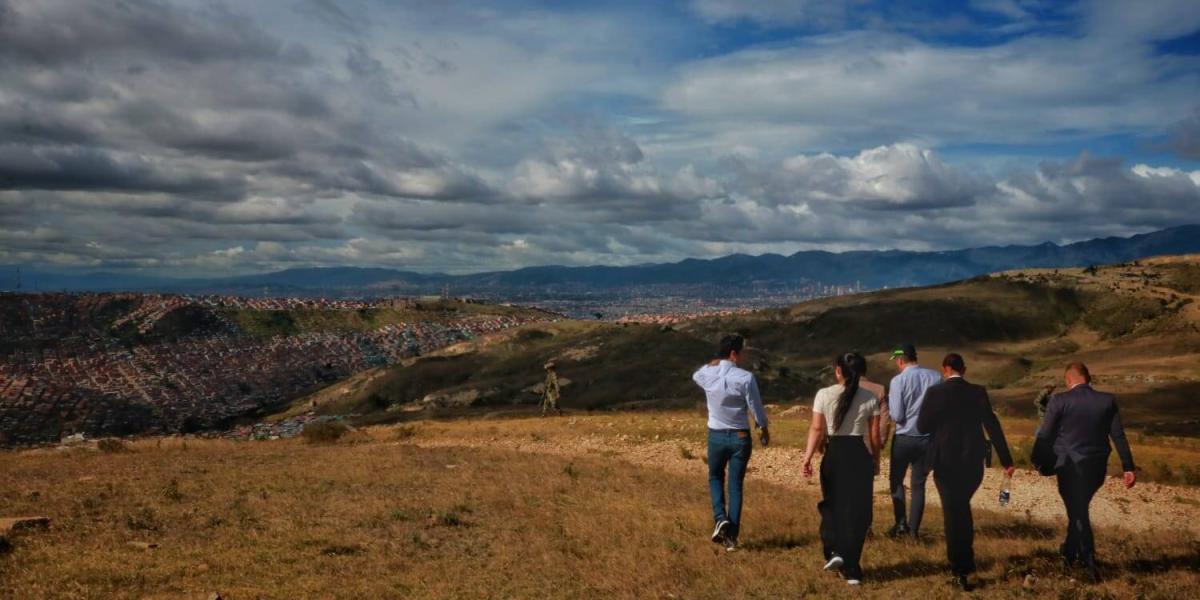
(728, 447)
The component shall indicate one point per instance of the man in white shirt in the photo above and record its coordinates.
(732, 393)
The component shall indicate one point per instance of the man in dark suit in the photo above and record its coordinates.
(1078, 425)
(955, 414)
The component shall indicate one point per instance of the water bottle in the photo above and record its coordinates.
(1004, 494)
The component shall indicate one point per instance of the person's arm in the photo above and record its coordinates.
(930, 416)
(816, 439)
(1043, 446)
(1117, 433)
(873, 436)
(754, 401)
(996, 434)
(1052, 420)
(896, 408)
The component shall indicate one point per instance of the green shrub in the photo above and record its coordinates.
(143, 519)
(378, 401)
(111, 446)
(171, 491)
(570, 471)
(324, 433)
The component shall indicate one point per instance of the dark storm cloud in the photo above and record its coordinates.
(1185, 137)
(76, 168)
(51, 32)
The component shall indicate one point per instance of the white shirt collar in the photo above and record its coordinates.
(954, 376)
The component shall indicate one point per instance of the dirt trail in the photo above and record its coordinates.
(1146, 507)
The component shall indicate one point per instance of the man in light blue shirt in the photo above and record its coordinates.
(909, 445)
(732, 394)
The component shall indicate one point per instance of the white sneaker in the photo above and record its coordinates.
(835, 562)
(853, 582)
(721, 531)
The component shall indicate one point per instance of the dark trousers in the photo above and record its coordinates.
(908, 452)
(728, 447)
(1078, 482)
(957, 484)
(846, 475)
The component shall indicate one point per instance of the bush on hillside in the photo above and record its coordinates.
(111, 446)
(324, 433)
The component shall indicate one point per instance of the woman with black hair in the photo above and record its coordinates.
(847, 416)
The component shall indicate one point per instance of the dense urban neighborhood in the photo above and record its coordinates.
(118, 364)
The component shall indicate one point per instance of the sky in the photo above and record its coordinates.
(199, 138)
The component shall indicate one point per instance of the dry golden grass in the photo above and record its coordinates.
(376, 515)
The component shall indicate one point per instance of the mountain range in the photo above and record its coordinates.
(871, 269)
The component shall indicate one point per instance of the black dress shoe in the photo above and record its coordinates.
(1069, 560)
(964, 583)
(898, 530)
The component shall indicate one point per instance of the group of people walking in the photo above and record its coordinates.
(940, 424)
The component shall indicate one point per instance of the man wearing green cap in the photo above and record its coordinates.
(910, 445)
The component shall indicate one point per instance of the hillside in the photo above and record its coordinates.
(1137, 324)
(122, 364)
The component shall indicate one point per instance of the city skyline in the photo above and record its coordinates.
(197, 138)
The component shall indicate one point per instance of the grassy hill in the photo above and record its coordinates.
(1136, 324)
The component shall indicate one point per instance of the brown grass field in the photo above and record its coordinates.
(489, 508)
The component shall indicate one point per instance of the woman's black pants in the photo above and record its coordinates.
(847, 473)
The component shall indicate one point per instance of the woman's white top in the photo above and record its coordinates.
(863, 406)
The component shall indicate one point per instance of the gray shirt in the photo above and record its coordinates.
(905, 396)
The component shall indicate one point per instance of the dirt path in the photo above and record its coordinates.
(1147, 507)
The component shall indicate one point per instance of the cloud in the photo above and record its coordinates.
(603, 172)
(52, 32)
(855, 89)
(76, 168)
(1184, 137)
(897, 177)
(812, 13)
(198, 137)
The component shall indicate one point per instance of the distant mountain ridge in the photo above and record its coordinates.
(872, 268)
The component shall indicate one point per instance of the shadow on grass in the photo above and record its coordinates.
(1050, 557)
(909, 569)
(1022, 531)
(780, 542)
(916, 568)
(1162, 564)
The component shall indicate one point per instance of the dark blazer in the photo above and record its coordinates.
(954, 414)
(1078, 424)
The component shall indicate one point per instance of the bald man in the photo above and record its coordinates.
(1078, 425)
